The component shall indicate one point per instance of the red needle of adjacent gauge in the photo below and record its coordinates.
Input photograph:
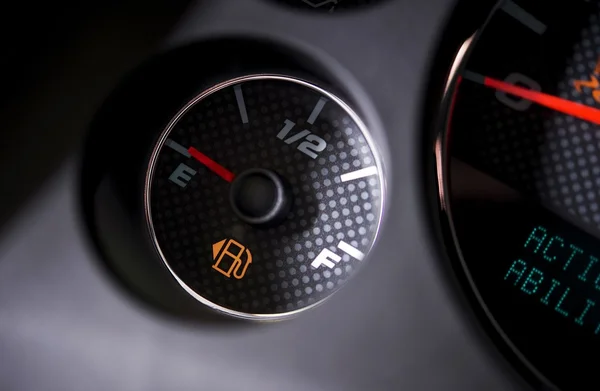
(211, 164)
(565, 106)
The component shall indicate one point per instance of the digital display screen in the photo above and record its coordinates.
(562, 275)
(539, 276)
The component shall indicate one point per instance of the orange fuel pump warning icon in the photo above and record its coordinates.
(228, 256)
(593, 84)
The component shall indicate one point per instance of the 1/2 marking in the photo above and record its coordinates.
(297, 136)
(312, 145)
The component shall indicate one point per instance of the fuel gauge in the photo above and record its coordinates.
(263, 195)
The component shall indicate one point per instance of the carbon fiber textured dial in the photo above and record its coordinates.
(305, 136)
(541, 152)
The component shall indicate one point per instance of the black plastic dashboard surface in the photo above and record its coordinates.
(67, 324)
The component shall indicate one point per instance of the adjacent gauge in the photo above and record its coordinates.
(263, 195)
(519, 168)
(328, 5)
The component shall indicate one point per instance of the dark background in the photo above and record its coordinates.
(67, 324)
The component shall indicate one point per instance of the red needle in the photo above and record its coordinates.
(211, 164)
(565, 106)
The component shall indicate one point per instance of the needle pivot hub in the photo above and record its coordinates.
(260, 197)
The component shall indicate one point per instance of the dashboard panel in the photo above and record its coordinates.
(81, 306)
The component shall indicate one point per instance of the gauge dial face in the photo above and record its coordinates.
(522, 182)
(264, 195)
